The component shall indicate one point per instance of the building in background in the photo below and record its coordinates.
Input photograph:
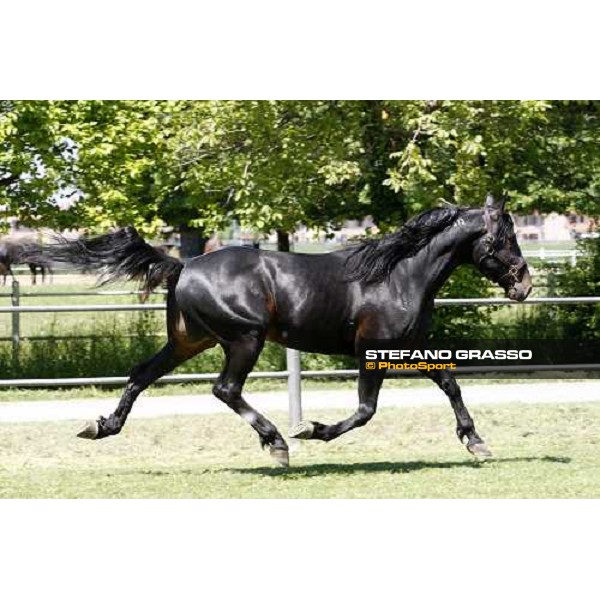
(554, 227)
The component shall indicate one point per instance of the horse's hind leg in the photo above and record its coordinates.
(33, 270)
(368, 392)
(173, 354)
(465, 426)
(240, 358)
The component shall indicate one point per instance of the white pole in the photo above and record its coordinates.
(16, 321)
(294, 390)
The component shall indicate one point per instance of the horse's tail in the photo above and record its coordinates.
(30, 253)
(122, 254)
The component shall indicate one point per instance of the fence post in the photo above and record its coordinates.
(16, 321)
(294, 390)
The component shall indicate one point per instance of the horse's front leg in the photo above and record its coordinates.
(368, 392)
(465, 427)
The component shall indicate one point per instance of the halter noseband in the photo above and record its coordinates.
(490, 218)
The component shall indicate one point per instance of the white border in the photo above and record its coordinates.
(309, 49)
(298, 549)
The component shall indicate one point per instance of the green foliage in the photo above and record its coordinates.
(34, 160)
(268, 164)
(582, 279)
(578, 321)
(544, 154)
(106, 351)
(121, 151)
(474, 322)
(272, 164)
(113, 348)
(323, 362)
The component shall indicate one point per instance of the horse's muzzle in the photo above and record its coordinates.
(521, 289)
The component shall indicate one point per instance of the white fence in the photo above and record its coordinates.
(553, 255)
(293, 373)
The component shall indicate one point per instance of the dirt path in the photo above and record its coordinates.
(159, 406)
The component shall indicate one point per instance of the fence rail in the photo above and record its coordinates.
(68, 294)
(161, 305)
(82, 308)
(554, 255)
(294, 374)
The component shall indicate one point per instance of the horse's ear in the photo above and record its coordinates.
(492, 204)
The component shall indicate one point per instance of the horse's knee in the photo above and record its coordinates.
(227, 392)
(219, 390)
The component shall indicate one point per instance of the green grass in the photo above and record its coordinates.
(120, 340)
(38, 324)
(543, 451)
(252, 385)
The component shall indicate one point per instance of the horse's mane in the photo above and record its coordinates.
(505, 229)
(372, 261)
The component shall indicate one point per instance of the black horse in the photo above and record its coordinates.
(12, 252)
(240, 297)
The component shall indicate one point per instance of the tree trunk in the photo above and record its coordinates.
(192, 242)
(379, 143)
(283, 241)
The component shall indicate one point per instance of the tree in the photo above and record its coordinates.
(268, 164)
(198, 165)
(34, 160)
(543, 154)
(121, 149)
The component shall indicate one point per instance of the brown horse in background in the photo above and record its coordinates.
(11, 253)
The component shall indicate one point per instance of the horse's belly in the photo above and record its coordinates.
(320, 340)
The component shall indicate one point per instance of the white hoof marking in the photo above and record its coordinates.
(280, 456)
(90, 431)
(303, 431)
(480, 451)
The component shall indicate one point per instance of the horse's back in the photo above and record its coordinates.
(291, 298)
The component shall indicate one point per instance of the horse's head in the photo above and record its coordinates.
(496, 252)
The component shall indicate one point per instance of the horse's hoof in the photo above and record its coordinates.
(90, 431)
(303, 431)
(479, 450)
(280, 456)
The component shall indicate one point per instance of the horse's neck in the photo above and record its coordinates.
(434, 264)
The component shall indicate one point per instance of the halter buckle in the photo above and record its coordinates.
(514, 271)
(488, 241)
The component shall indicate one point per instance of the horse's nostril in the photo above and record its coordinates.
(521, 293)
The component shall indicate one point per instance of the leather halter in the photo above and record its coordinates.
(490, 218)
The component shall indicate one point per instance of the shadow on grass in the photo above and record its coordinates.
(319, 470)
